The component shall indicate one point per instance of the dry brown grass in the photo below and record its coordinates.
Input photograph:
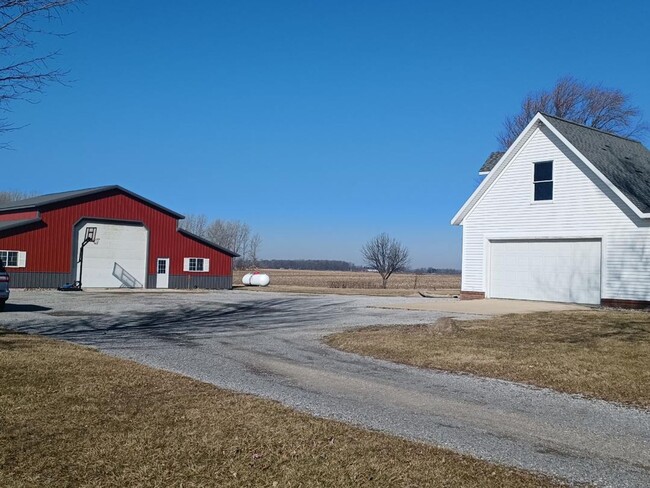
(74, 417)
(348, 282)
(603, 354)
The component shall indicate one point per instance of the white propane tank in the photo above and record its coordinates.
(256, 279)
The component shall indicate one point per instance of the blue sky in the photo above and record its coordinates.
(318, 123)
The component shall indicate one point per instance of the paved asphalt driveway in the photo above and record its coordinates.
(268, 344)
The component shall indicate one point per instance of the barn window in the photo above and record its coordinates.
(13, 259)
(199, 265)
(543, 181)
(196, 264)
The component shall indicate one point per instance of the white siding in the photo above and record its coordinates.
(117, 259)
(582, 207)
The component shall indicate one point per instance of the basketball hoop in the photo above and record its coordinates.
(91, 234)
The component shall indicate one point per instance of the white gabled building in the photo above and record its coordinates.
(563, 215)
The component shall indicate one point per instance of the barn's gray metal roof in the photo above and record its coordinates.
(208, 243)
(625, 162)
(12, 224)
(44, 200)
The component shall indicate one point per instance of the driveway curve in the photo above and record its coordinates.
(269, 344)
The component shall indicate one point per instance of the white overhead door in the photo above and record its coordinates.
(548, 270)
(118, 258)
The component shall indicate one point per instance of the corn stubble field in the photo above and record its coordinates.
(355, 282)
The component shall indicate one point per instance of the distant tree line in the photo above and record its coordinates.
(435, 271)
(336, 265)
(308, 264)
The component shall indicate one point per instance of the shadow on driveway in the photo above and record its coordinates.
(24, 307)
(184, 324)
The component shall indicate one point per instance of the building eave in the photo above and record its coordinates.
(208, 243)
(495, 172)
(11, 225)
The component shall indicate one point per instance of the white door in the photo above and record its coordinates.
(548, 270)
(117, 258)
(162, 273)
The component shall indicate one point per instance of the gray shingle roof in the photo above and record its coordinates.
(43, 200)
(625, 162)
(491, 161)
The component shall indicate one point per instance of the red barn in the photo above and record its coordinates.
(138, 243)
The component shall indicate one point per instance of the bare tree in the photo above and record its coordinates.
(24, 71)
(196, 224)
(12, 196)
(607, 109)
(385, 255)
(253, 248)
(231, 234)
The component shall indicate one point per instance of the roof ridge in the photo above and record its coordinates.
(94, 188)
(591, 128)
(52, 198)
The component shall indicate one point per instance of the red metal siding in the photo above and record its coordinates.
(18, 215)
(184, 247)
(49, 247)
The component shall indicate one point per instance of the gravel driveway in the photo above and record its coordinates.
(268, 344)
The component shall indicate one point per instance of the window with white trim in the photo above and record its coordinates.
(543, 181)
(198, 265)
(13, 259)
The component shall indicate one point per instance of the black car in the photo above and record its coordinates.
(4, 285)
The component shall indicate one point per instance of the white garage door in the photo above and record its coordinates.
(549, 270)
(118, 258)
